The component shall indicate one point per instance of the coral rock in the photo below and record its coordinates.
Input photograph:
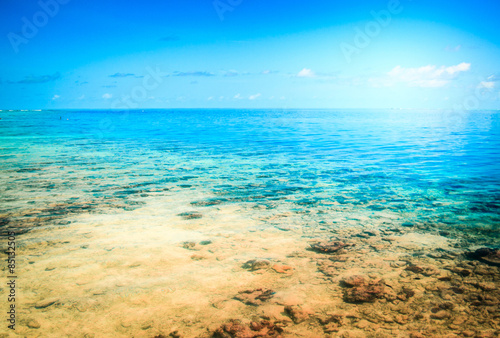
(405, 294)
(414, 268)
(367, 293)
(486, 255)
(282, 268)
(424, 270)
(33, 324)
(354, 280)
(255, 297)
(190, 215)
(175, 334)
(46, 303)
(332, 323)
(440, 314)
(296, 314)
(256, 264)
(328, 247)
(189, 245)
(235, 329)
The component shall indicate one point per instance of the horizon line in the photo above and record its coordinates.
(237, 108)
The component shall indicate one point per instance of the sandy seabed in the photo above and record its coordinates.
(216, 272)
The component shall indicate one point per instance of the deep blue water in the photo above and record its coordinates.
(430, 168)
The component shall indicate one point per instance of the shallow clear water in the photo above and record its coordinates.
(142, 223)
(428, 166)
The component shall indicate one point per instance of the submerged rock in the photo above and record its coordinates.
(329, 247)
(33, 324)
(332, 323)
(405, 294)
(366, 292)
(190, 215)
(440, 314)
(354, 280)
(460, 271)
(189, 245)
(296, 314)
(423, 270)
(46, 303)
(175, 334)
(235, 329)
(483, 300)
(414, 268)
(4, 221)
(279, 268)
(255, 297)
(256, 264)
(207, 203)
(486, 255)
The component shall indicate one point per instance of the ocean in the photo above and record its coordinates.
(145, 222)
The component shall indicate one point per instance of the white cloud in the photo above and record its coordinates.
(81, 97)
(487, 84)
(107, 96)
(253, 97)
(427, 76)
(238, 96)
(210, 98)
(306, 73)
(55, 97)
(462, 67)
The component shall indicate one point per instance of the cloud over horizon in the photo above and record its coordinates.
(195, 73)
(306, 73)
(427, 76)
(253, 97)
(39, 79)
(122, 75)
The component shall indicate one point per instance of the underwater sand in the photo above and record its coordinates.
(252, 224)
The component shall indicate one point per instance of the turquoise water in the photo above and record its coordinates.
(143, 223)
(431, 167)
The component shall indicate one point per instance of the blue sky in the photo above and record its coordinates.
(249, 54)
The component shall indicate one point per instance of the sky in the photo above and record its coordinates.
(417, 54)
